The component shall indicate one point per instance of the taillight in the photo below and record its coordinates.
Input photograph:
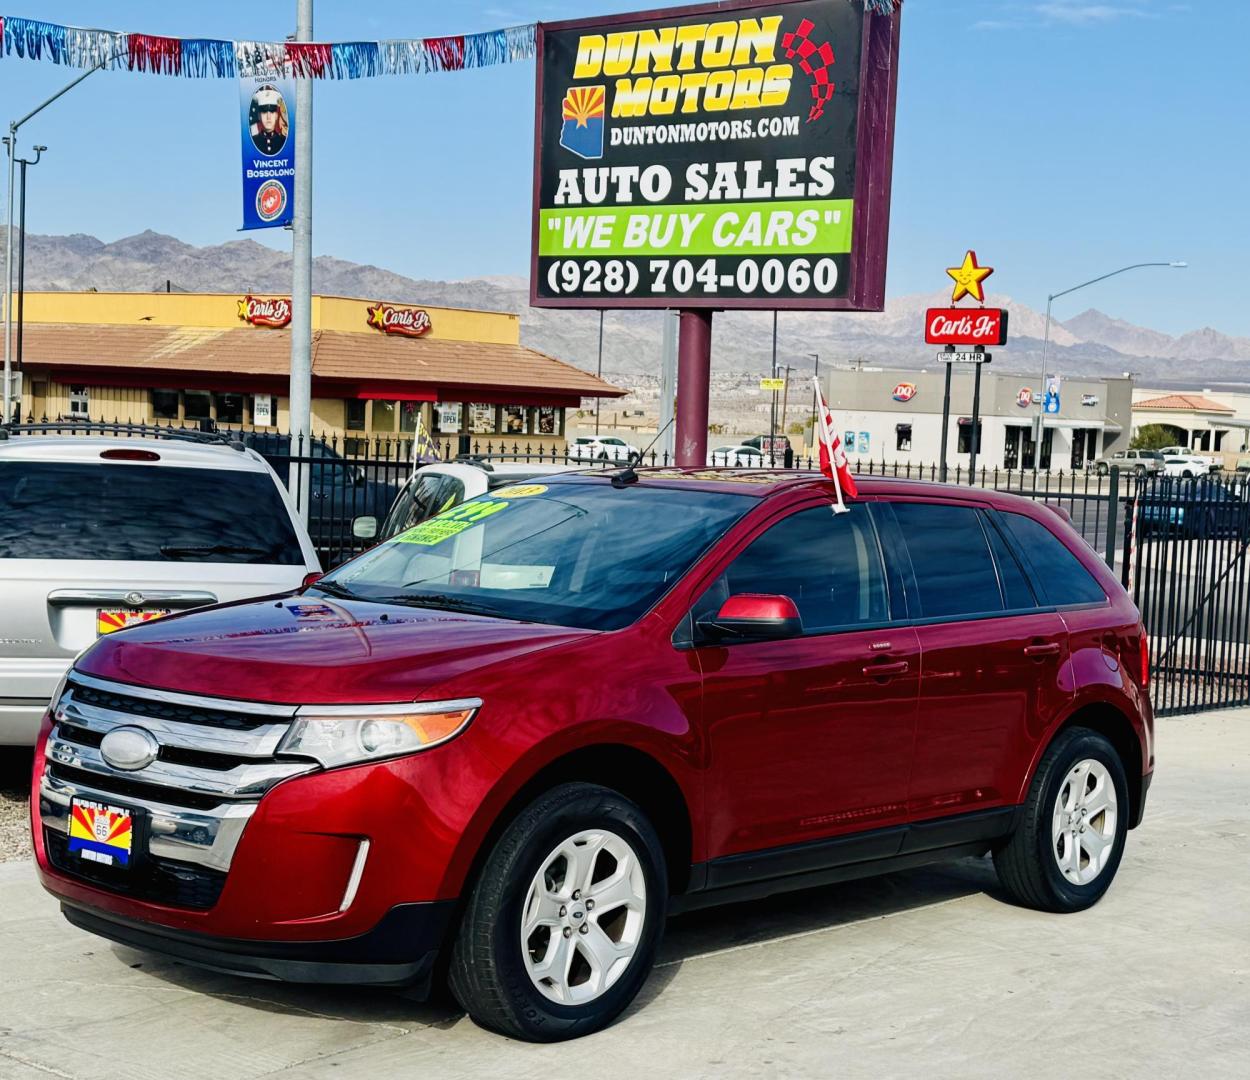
(311, 579)
(130, 455)
(1145, 660)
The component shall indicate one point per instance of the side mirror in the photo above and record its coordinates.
(753, 617)
(365, 528)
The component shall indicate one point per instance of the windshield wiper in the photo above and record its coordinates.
(442, 600)
(335, 589)
(174, 551)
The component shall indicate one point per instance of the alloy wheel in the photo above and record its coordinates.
(583, 917)
(1083, 824)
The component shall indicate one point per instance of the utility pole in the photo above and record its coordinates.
(21, 260)
(599, 370)
(772, 417)
(785, 402)
(300, 394)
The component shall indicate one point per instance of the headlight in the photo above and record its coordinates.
(348, 734)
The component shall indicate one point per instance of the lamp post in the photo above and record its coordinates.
(1038, 419)
(21, 257)
(816, 374)
(599, 371)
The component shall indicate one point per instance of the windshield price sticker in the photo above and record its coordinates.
(520, 491)
(450, 523)
(703, 155)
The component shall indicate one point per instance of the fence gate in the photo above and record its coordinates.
(1188, 569)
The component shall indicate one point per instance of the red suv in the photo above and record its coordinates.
(505, 745)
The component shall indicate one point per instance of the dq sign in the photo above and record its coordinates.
(265, 311)
(410, 322)
(904, 391)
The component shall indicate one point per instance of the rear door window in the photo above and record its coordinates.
(151, 513)
(950, 557)
(427, 495)
(1058, 575)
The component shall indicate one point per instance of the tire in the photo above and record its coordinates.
(1028, 865)
(495, 967)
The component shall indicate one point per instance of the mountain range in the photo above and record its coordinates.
(1091, 343)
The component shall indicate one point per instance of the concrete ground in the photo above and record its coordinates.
(925, 973)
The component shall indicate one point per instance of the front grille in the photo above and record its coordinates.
(156, 880)
(183, 714)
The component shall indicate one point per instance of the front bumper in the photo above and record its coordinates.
(400, 950)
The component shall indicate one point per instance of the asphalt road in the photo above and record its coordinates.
(926, 973)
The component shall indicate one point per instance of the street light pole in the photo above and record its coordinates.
(1038, 419)
(599, 371)
(21, 260)
(299, 393)
(14, 125)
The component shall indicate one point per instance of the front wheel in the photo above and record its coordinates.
(1068, 844)
(561, 928)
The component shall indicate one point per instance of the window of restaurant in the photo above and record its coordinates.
(448, 417)
(902, 437)
(515, 420)
(229, 408)
(355, 414)
(965, 435)
(1011, 447)
(79, 401)
(482, 419)
(199, 404)
(548, 421)
(383, 417)
(165, 404)
(409, 412)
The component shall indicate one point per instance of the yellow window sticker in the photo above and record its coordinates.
(519, 491)
(450, 523)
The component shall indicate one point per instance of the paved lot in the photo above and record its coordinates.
(926, 973)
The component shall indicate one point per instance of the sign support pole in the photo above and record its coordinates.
(772, 416)
(694, 370)
(300, 395)
(668, 387)
(946, 419)
(976, 424)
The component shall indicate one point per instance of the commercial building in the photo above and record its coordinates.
(1213, 422)
(895, 417)
(377, 366)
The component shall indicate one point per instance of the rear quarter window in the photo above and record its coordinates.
(149, 513)
(950, 556)
(1058, 575)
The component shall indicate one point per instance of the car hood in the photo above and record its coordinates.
(313, 650)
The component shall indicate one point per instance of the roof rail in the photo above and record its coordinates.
(101, 427)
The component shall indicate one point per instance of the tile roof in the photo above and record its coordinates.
(1196, 402)
(336, 355)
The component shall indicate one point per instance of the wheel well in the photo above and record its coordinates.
(637, 776)
(1118, 730)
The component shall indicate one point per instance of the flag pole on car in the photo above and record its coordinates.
(833, 462)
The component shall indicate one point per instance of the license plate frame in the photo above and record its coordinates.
(121, 618)
(100, 845)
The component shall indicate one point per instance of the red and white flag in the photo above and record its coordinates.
(833, 461)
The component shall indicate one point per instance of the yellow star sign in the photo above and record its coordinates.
(377, 316)
(243, 308)
(968, 278)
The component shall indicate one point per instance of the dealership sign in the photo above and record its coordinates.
(965, 326)
(904, 391)
(410, 322)
(715, 156)
(265, 311)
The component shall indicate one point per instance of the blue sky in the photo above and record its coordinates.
(1060, 139)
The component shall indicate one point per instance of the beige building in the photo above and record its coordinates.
(1208, 421)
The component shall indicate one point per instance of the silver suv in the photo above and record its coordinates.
(1140, 462)
(98, 533)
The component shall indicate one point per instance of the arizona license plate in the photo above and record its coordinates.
(109, 619)
(101, 833)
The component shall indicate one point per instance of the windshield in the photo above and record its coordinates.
(149, 513)
(575, 553)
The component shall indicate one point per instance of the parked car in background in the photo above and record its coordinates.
(748, 457)
(1203, 463)
(774, 446)
(1198, 509)
(99, 533)
(601, 448)
(1140, 462)
(519, 735)
(1243, 465)
(1182, 467)
(438, 487)
(339, 489)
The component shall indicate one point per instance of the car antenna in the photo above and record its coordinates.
(627, 475)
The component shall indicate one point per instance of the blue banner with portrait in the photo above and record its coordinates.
(267, 108)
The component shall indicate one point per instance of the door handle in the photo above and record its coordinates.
(878, 671)
(1036, 652)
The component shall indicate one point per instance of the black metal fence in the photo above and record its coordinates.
(1178, 545)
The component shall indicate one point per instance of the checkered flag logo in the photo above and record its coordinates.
(815, 60)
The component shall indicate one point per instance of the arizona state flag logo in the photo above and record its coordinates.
(101, 831)
(582, 130)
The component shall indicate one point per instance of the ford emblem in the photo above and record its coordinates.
(129, 748)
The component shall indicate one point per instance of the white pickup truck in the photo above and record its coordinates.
(1201, 462)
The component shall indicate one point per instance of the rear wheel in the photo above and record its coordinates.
(561, 928)
(1070, 839)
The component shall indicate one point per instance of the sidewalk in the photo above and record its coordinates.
(925, 973)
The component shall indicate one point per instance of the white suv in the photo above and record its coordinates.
(97, 533)
(601, 448)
